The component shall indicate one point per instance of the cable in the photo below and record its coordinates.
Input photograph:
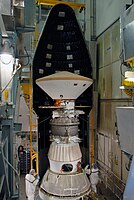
(28, 61)
(16, 172)
(83, 119)
(121, 70)
(44, 120)
(10, 165)
(122, 62)
(121, 54)
(15, 71)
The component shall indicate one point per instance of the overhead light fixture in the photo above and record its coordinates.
(6, 52)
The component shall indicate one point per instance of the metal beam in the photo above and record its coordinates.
(54, 2)
(2, 29)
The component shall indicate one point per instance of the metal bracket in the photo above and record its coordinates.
(2, 27)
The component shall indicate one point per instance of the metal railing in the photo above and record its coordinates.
(111, 180)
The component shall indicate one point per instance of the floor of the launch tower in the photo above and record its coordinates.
(103, 193)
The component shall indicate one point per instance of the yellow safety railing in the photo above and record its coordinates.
(33, 154)
(54, 2)
(35, 37)
(28, 95)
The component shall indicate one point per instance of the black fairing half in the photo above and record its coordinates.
(61, 47)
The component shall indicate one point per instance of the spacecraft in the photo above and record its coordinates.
(65, 179)
(62, 73)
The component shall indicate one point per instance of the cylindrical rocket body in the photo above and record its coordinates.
(65, 179)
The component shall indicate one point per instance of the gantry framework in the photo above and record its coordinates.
(54, 2)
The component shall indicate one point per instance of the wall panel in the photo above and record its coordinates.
(116, 41)
(107, 151)
(107, 48)
(101, 124)
(100, 53)
(116, 158)
(108, 82)
(101, 155)
(116, 80)
(108, 118)
(107, 12)
(101, 83)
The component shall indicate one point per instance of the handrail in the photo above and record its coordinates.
(54, 2)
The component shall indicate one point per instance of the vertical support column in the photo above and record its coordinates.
(7, 130)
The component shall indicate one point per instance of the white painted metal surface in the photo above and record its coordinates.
(64, 85)
(5, 7)
(64, 152)
(6, 71)
(65, 186)
(125, 123)
(107, 12)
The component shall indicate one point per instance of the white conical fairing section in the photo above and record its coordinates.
(64, 85)
(64, 152)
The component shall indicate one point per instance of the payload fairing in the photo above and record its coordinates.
(62, 68)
